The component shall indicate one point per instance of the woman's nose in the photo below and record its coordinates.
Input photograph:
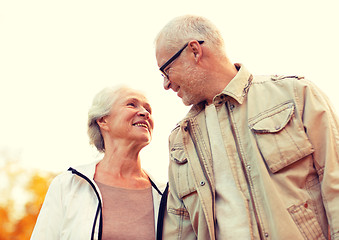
(144, 113)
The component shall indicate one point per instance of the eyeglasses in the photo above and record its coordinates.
(175, 56)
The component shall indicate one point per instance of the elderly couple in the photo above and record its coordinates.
(256, 157)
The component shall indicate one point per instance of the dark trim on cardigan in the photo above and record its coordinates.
(162, 209)
(155, 186)
(99, 209)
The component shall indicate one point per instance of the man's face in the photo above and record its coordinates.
(182, 76)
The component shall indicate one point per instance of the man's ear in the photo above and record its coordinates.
(196, 49)
(102, 122)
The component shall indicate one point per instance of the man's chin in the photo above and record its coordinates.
(187, 102)
(191, 102)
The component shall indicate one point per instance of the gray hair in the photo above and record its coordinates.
(189, 27)
(101, 106)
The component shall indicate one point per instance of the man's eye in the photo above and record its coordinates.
(131, 104)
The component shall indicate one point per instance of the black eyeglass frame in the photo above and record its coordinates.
(175, 56)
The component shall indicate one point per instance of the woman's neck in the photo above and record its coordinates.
(121, 167)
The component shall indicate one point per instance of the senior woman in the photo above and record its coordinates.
(113, 198)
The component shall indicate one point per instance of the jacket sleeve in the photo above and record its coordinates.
(322, 127)
(49, 221)
(177, 224)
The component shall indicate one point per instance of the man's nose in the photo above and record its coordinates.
(167, 83)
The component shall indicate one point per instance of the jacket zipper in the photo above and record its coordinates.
(245, 172)
(99, 209)
(162, 209)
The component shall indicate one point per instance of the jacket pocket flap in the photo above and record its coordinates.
(280, 136)
(177, 154)
(274, 120)
(184, 182)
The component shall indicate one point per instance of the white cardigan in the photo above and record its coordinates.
(72, 206)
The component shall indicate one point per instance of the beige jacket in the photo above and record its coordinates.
(285, 143)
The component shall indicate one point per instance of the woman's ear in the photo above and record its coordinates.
(102, 122)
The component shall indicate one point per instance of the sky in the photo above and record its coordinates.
(56, 55)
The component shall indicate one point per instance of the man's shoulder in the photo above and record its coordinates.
(176, 128)
(275, 78)
(272, 83)
(195, 111)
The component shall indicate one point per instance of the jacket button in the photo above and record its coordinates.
(202, 183)
(232, 107)
(186, 129)
(266, 234)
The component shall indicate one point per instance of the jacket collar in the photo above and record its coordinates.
(236, 89)
(88, 169)
(239, 85)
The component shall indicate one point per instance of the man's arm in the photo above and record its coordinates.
(322, 127)
(177, 222)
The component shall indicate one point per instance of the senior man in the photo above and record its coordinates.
(256, 157)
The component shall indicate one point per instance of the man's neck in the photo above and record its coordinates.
(221, 77)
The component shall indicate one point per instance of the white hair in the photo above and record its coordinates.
(185, 28)
(101, 106)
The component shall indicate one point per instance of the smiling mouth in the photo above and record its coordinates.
(141, 125)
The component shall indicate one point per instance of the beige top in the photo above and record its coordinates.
(230, 209)
(127, 213)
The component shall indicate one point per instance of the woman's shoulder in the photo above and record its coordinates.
(73, 173)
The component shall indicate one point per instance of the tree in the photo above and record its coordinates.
(22, 195)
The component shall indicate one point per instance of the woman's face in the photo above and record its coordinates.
(131, 118)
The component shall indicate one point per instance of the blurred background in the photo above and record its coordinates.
(56, 55)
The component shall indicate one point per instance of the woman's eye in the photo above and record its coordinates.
(149, 110)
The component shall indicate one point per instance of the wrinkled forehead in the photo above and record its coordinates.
(161, 58)
(162, 54)
(127, 93)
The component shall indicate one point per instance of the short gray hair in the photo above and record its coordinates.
(101, 106)
(189, 27)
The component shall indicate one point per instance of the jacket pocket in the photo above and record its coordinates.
(280, 137)
(306, 221)
(183, 178)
